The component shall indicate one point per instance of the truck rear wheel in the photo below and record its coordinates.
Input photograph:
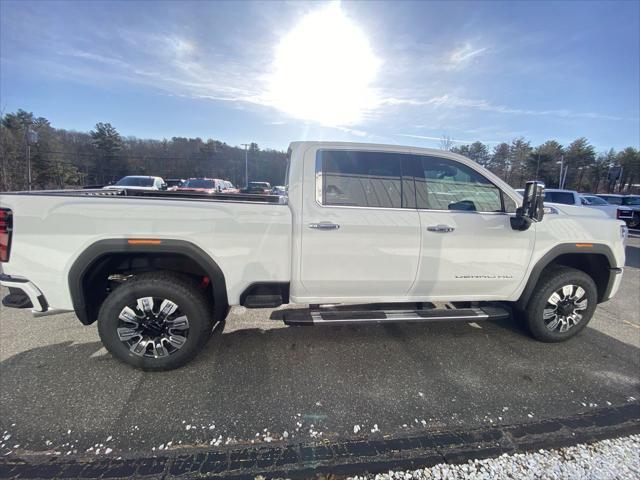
(155, 321)
(561, 305)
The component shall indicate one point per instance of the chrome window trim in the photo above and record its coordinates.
(463, 211)
(319, 179)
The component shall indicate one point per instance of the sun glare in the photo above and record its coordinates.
(324, 69)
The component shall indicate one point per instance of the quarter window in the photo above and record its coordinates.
(448, 185)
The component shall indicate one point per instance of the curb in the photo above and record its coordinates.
(350, 457)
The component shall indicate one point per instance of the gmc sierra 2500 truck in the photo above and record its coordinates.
(389, 232)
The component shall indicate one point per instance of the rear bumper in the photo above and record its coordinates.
(38, 302)
(39, 305)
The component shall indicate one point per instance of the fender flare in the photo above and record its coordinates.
(102, 248)
(563, 249)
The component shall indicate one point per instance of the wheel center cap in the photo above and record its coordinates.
(153, 328)
(565, 308)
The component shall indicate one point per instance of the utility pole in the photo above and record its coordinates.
(246, 164)
(30, 137)
(619, 184)
(28, 166)
(561, 162)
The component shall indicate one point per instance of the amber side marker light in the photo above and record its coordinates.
(144, 241)
(584, 245)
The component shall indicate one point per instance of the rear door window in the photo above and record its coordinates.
(363, 179)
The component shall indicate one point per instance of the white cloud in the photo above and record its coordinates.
(426, 137)
(463, 55)
(452, 102)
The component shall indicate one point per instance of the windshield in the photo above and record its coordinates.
(631, 201)
(595, 201)
(200, 183)
(259, 185)
(613, 200)
(135, 182)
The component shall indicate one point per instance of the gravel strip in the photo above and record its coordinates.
(608, 459)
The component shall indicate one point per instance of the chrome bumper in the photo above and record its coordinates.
(40, 307)
(35, 295)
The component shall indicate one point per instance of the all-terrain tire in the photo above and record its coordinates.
(179, 289)
(553, 280)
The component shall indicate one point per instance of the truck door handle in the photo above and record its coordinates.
(324, 226)
(440, 228)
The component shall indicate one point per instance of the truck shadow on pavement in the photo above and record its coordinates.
(312, 383)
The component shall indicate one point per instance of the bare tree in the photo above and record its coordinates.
(446, 143)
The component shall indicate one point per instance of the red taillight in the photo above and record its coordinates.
(6, 226)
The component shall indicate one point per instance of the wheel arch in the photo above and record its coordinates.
(97, 259)
(595, 259)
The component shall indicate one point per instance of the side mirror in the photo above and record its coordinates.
(532, 209)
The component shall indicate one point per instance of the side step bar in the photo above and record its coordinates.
(341, 317)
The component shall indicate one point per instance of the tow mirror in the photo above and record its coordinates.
(532, 209)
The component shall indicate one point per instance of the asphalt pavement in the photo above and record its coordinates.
(261, 382)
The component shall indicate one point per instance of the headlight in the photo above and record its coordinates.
(624, 232)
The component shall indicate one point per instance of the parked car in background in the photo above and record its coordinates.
(628, 207)
(257, 187)
(565, 197)
(229, 187)
(139, 182)
(279, 190)
(571, 197)
(593, 201)
(202, 185)
(556, 195)
(174, 183)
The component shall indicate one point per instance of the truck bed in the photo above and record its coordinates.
(248, 236)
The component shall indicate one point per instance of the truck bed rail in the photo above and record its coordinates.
(160, 194)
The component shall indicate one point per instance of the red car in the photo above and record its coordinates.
(207, 185)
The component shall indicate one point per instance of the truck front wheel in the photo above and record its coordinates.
(561, 305)
(155, 321)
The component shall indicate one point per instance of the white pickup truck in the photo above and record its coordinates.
(390, 233)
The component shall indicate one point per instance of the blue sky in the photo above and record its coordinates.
(397, 72)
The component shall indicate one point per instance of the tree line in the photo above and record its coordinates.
(65, 159)
(576, 166)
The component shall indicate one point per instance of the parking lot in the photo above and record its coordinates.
(262, 382)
